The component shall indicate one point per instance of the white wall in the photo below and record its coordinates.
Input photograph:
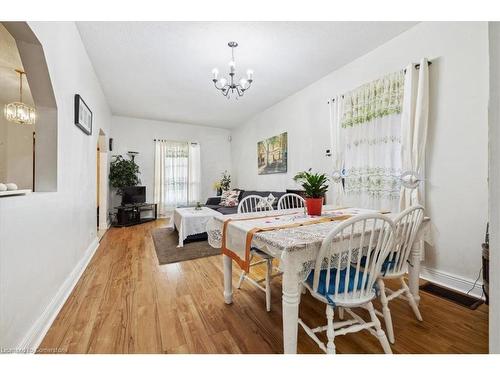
(131, 134)
(494, 187)
(46, 238)
(457, 138)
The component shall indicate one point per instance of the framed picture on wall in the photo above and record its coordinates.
(83, 115)
(272, 154)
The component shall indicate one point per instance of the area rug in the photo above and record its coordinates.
(166, 241)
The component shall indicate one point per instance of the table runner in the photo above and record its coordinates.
(237, 233)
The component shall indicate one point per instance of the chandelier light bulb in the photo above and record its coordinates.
(19, 112)
(232, 85)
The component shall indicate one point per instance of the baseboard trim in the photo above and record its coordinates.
(37, 332)
(451, 281)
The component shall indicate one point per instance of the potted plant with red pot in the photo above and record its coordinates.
(315, 186)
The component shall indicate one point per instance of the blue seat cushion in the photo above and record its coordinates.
(323, 288)
(388, 264)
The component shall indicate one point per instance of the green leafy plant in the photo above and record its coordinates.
(225, 181)
(123, 173)
(314, 184)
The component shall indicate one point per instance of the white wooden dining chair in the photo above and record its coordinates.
(407, 224)
(256, 203)
(290, 200)
(340, 280)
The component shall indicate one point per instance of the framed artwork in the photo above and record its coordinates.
(272, 154)
(83, 115)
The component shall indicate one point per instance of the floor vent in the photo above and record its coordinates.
(451, 295)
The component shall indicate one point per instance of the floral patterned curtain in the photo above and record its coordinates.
(370, 128)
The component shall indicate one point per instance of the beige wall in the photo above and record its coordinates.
(16, 153)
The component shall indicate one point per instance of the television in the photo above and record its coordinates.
(133, 195)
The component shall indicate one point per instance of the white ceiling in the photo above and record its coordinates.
(162, 70)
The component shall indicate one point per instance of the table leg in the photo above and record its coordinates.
(414, 270)
(181, 237)
(291, 299)
(228, 279)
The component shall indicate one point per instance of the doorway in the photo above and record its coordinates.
(102, 184)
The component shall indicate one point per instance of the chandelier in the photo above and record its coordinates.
(227, 86)
(19, 112)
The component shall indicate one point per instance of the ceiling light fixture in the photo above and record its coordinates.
(19, 112)
(227, 86)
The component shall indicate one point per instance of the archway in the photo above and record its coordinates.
(102, 183)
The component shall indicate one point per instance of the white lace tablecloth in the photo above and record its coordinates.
(189, 221)
(304, 241)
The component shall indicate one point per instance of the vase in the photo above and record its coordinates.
(314, 206)
(219, 192)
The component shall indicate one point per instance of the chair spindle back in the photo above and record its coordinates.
(359, 246)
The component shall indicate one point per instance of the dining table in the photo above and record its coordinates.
(294, 238)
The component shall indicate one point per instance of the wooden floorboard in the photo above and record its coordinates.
(126, 303)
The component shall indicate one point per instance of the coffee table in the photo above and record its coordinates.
(189, 221)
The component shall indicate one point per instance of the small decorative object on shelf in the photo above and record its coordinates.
(315, 186)
(225, 181)
(198, 206)
(3, 187)
(11, 186)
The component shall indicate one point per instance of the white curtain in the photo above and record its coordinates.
(415, 115)
(159, 187)
(177, 174)
(194, 173)
(336, 191)
(370, 132)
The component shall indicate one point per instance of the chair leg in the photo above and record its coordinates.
(330, 333)
(411, 300)
(341, 313)
(380, 333)
(244, 274)
(269, 271)
(242, 277)
(386, 311)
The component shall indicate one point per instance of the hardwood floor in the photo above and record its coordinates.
(126, 303)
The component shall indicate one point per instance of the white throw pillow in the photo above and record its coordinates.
(269, 199)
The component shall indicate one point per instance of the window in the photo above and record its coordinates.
(177, 174)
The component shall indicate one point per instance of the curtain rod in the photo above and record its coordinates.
(166, 140)
(417, 66)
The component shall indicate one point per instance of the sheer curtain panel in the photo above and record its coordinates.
(370, 136)
(177, 174)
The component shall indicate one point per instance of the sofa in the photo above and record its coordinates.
(214, 202)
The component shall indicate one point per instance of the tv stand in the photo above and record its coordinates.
(132, 214)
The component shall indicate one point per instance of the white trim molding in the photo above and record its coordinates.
(39, 329)
(451, 281)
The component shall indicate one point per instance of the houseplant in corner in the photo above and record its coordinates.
(315, 186)
(123, 173)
